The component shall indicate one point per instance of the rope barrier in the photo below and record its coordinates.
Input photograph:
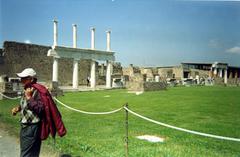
(140, 116)
(85, 112)
(181, 129)
(14, 98)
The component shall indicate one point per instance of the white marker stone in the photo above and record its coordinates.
(151, 138)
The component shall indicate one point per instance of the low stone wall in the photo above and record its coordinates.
(230, 81)
(146, 86)
(135, 83)
(6, 88)
(154, 86)
(134, 86)
(234, 81)
(218, 81)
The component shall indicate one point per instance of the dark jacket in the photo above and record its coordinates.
(51, 121)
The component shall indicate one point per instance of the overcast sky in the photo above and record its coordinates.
(144, 32)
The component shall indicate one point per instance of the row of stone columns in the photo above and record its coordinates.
(75, 61)
(220, 74)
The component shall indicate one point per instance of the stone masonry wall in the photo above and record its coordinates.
(178, 71)
(200, 73)
(154, 86)
(165, 72)
(1, 61)
(20, 55)
(148, 72)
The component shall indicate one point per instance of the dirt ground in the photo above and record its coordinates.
(9, 145)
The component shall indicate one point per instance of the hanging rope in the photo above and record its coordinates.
(184, 130)
(86, 112)
(12, 98)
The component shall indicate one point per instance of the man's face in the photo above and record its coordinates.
(26, 80)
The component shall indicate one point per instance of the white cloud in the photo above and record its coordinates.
(235, 50)
(27, 41)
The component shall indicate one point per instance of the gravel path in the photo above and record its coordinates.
(9, 145)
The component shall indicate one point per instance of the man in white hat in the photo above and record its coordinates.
(31, 108)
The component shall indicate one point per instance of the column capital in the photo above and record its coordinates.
(74, 35)
(109, 61)
(55, 21)
(76, 59)
(92, 38)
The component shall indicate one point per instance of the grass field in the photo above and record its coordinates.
(214, 110)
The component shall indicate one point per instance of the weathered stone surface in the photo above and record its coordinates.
(6, 88)
(135, 82)
(234, 81)
(19, 56)
(154, 86)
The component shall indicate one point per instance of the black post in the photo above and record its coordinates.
(126, 136)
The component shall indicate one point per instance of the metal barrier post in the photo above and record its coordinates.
(126, 129)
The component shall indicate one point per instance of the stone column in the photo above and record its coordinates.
(157, 78)
(215, 72)
(108, 75)
(221, 73)
(55, 59)
(108, 40)
(225, 76)
(75, 61)
(55, 33)
(230, 74)
(93, 74)
(55, 70)
(92, 38)
(74, 36)
(109, 64)
(198, 79)
(75, 74)
(236, 74)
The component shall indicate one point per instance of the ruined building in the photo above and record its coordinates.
(206, 73)
(15, 56)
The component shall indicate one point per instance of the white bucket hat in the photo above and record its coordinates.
(27, 72)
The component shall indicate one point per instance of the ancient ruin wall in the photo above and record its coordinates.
(20, 55)
(165, 72)
(178, 71)
(200, 73)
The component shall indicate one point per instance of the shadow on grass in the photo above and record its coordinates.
(65, 155)
(68, 155)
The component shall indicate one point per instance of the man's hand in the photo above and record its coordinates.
(28, 93)
(15, 110)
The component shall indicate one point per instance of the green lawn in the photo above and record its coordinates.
(213, 110)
